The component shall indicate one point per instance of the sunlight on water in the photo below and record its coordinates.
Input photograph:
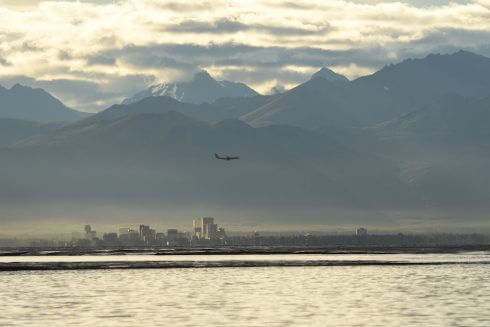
(439, 295)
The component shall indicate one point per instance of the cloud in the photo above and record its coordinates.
(34, 3)
(101, 60)
(29, 46)
(219, 26)
(186, 7)
(232, 54)
(226, 26)
(95, 44)
(483, 2)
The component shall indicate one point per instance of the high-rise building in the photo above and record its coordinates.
(206, 222)
(205, 228)
(144, 230)
(147, 234)
(212, 232)
(196, 224)
(89, 233)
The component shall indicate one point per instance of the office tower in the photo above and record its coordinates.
(89, 233)
(206, 221)
(212, 232)
(147, 234)
(144, 230)
(196, 224)
(202, 228)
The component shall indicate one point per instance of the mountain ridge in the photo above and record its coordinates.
(387, 94)
(329, 75)
(34, 104)
(201, 89)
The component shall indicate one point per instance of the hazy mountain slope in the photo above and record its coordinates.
(315, 103)
(443, 149)
(320, 103)
(236, 107)
(224, 108)
(425, 163)
(22, 102)
(453, 121)
(13, 130)
(169, 159)
(202, 88)
(157, 104)
(393, 91)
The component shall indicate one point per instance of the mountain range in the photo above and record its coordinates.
(307, 155)
(201, 89)
(23, 102)
(329, 100)
(387, 94)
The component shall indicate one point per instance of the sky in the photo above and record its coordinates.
(92, 54)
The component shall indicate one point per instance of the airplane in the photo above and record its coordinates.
(227, 158)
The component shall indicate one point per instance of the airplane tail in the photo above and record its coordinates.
(216, 156)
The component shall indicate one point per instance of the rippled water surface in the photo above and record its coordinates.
(426, 295)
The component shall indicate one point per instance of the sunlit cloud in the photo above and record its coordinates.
(262, 43)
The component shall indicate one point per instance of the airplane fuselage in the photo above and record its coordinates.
(227, 158)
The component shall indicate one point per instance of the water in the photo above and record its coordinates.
(394, 295)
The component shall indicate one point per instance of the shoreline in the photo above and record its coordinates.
(361, 249)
